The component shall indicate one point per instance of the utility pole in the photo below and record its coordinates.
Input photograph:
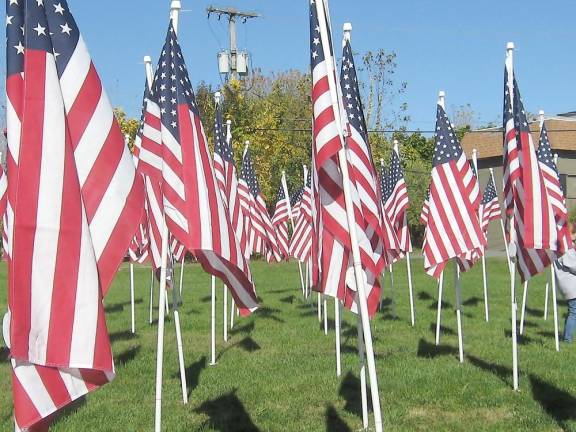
(233, 62)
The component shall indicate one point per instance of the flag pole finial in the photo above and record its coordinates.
(149, 71)
(347, 28)
(229, 122)
(382, 162)
(217, 97)
(442, 99)
(541, 118)
(175, 7)
(510, 46)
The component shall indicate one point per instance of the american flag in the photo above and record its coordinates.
(533, 233)
(395, 203)
(189, 196)
(332, 254)
(425, 209)
(295, 202)
(490, 205)
(260, 231)
(301, 241)
(554, 189)
(511, 163)
(75, 203)
(138, 250)
(227, 178)
(453, 229)
(280, 222)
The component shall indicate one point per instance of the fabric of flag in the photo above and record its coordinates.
(393, 251)
(280, 222)
(75, 203)
(396, 202)
(535, 240)
(511, 162)
(301, 241)
(490, 205)
(554, 189)
(226, 175)
(295, 202)
(332, 254)
(425, 209)
(453, 229)
(184, 182)
(138, 250)
(260, 232)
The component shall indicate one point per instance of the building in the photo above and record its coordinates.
(489, 146)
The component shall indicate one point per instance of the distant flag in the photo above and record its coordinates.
(332, 254)
(280, 222)
(490, 205)
(227, 177)
(190, 199)
(425, 209)
(260, 231)
(554, 189)
(453, 229)
(295, 201)
(389, 232)
(301, 241)
(396, 202)
(75, 203)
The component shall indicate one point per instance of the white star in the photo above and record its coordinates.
(66, 29)
(40, 30)
(174, 124)
(13, 2)
(316, 41)
(9, 20)
(59, 9)
(40, 2)
(20, 48)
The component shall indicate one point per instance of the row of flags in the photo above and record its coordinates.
(75, 199)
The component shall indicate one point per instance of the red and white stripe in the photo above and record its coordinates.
(301, 241)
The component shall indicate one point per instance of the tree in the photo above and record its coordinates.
(128, 126)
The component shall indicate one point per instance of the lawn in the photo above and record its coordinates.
(277, 371)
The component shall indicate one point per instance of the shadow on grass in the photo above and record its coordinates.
(113, 308)
(206, 299)
(534, 312)
(4, 354)
(522, 339)
(333, 421)
(127, 356)
(472, 301)
(351, 392)
(244, 329)
(248, 344)
(502, 372)
(227, 414)
(269, 313)
(422, 295)
(122, 336)
(430, 350)
(445, 305)
(558, 404)
(443, 329)
(193, 374)
(548, 334)
(290, 299)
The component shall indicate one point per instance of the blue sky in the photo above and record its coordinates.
(457, 46)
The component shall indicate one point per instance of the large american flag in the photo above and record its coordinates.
(260, 231)
(453, 229)
(395, 203)
(75, 203)
(280, 222)
(227, 178)
(189, 196)
(535, 240)
(301, 241)
(490, 205)
(332, 254)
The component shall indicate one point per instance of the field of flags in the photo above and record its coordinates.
(76, 202)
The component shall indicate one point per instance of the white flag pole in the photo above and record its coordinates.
(149, 78)
(514, 306)
(182, 272)
(325, 311)
(553, 277)
(160, 345)
(132, 297)
(213, 323)
(523, 310)
(480, 216)
(546, 295)
(362, 357)
(359, 273)
(441, 101)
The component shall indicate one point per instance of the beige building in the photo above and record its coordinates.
(489, 144)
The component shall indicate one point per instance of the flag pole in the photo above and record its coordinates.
(132, 316)
(441, 100)
(151, 294)
(480, 216)
(523, 310)
(358, 271)
(554, 299)
(457, 287)
(514, 306)
(213, 294)
(285, 188)
(149, 79)
(546, 295)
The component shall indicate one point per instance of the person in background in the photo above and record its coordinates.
(566, 282)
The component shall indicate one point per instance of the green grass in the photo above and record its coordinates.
(277, 372)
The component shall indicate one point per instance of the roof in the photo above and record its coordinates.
(488, 142)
